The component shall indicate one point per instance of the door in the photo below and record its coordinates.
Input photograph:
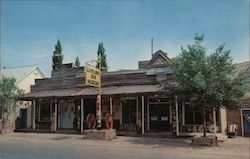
(159, 117)
(246, 122)
(23, 115)
(67, 114)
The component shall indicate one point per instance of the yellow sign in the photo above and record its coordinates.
(93, 76)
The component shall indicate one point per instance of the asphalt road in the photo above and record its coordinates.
(42, 146)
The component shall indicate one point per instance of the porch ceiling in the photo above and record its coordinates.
(90, 91)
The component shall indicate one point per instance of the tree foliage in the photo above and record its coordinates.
(77, 62)
(208, 81)
(9, 93)
(102, 61)
(57, 56)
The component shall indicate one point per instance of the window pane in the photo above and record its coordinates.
(129, 111)
(189, 117)
(198, 118)
(45, 111)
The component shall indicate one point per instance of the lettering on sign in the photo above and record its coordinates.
(92, 76)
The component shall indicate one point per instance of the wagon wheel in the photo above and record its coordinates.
(91, 121)
(109, 121)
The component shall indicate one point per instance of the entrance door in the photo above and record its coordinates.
(23, 115)
(246, 122)
(159, 117)
(67, 114)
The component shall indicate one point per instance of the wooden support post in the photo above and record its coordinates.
(82, 116)
(142, 115)
(111, 105)
(177, 116)
(55, 128)
(214, 115)
(137, 111)
(34, 113)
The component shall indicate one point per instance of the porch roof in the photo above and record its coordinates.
(90, 91)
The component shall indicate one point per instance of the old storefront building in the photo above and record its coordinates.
(134, 97)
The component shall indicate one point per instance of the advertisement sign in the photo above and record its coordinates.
(92, 76)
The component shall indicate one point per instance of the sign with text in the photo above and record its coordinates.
(92, 76)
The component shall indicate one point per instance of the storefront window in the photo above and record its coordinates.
(129, 111)
(45, 111)
(192, 115)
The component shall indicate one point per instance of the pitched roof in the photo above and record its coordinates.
(20, 72)
(159, 58)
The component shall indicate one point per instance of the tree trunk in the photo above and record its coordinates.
(204, 122)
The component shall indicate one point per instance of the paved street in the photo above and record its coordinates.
(61, 146)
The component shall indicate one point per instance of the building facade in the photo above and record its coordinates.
(25, 77)
(135, 98)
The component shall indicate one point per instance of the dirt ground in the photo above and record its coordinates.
(76, 146)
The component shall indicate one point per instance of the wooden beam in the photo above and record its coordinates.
(82, 115)
(111, 105)
(55, 129)
(142, 115)
(34, 113)
(177, 115)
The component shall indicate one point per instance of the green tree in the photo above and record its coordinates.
(9, 94)
(77, 62)
(207, 81)
(57, 56)
(102, 61)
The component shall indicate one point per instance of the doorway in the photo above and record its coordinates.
(159, 116)
(67, 114)
(23, 116)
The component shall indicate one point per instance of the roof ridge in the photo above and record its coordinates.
(34, 65)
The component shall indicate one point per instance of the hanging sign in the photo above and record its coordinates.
(92, 76)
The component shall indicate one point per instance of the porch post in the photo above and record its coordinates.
(142, 115)
(34, 113)
(82, 115)
(214, 115)
(177, 116)
(55, 128)
(137, 111)
(111, 106)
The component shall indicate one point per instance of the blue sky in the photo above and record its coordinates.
(30, 29)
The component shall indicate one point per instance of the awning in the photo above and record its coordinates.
(88, 91)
